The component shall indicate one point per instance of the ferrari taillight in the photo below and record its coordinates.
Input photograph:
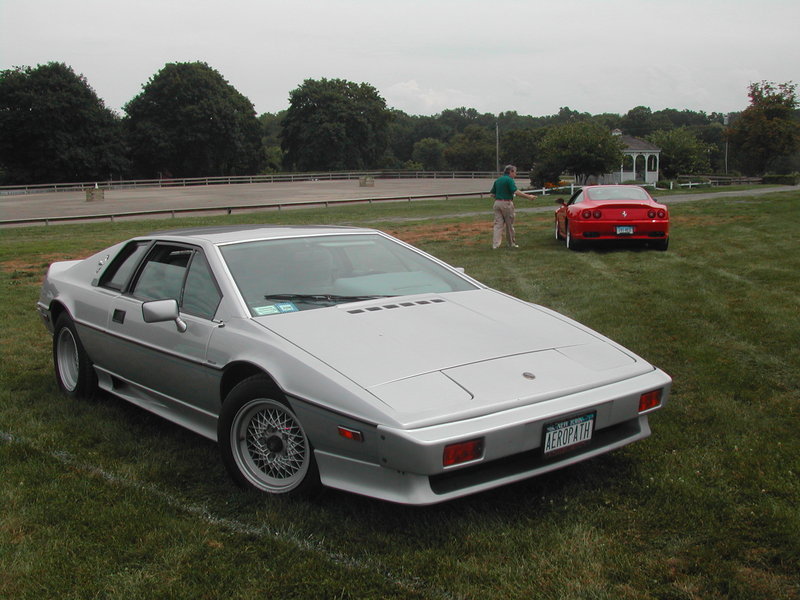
(662, 213)
(597, 214)
(461, 452)
(651, 214)
(586, 214)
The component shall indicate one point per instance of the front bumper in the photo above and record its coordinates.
(410, 469)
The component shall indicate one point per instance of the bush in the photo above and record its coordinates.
(789, 179)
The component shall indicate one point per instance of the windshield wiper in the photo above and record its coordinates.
(313, 298)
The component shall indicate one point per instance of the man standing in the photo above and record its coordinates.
(503, 191)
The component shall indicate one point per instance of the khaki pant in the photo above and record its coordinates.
(503, 222)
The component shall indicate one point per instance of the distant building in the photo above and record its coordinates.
(640, 162)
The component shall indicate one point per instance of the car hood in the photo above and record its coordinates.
(438, 354)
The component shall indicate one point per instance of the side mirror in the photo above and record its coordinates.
(560, 201)
(161, 311)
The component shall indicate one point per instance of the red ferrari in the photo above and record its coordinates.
(612, 212)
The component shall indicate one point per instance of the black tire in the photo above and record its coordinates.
(572, 243)
(74, 371)
(263, 443)
(662, 244)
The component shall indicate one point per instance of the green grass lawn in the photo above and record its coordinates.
(103, 500)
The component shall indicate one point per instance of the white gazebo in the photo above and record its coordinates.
(640, 162)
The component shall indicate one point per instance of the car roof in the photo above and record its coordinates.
(237, 233)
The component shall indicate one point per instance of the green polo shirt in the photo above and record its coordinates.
(504, 187)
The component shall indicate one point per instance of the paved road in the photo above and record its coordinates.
(74, 204)
(116, 201)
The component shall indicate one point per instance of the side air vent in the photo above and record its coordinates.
(357, 311)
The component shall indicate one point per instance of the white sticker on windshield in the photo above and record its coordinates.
(274, 309)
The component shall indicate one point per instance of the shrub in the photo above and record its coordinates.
(788, 179)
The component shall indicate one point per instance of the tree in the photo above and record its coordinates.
(638, 122)
(582, 148)
(188, 121)
(333, 124)
(53, 127)
(520, 147)
(270, 140)
(472, 150)
(429, 152)
(681, 152)
(766, 130)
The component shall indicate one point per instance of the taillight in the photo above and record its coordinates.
(649, 400)
(586, 214)
(651, 214)
(662, 213)
(597, 214)
(461, 452)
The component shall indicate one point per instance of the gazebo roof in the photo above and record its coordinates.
(634, 144)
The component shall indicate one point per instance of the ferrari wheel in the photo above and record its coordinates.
(662, 244)
(263, 443)
(572, 243)
(74, 371)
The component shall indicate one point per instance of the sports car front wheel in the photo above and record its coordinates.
(263, 443)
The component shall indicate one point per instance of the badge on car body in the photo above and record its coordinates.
(528, 375)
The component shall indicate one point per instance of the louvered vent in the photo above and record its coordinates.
(356, 311)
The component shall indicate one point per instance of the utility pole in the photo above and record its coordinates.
(497, 145)
(725, 121)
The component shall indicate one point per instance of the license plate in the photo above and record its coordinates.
(625, 230)
(562, 436)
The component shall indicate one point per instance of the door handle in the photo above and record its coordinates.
(118, 316)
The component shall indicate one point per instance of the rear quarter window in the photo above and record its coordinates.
(119, 272)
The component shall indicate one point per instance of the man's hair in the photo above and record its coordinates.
(508, 169)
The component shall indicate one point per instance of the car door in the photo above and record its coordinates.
(166, 365)
(562, 214)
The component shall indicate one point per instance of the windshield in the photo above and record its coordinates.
(287, 275)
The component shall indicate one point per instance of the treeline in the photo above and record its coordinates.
(188, 121)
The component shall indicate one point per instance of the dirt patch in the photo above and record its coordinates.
(25, 268)
(470, 234)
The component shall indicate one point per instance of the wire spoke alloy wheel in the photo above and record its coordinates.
(68, 359)
(269, 446)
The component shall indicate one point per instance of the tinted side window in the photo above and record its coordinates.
(121, 268)
(577, 198)
(163, 273)
(200, 296)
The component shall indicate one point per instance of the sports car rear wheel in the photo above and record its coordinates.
(572, 243)
(263, 443)
(74, 371)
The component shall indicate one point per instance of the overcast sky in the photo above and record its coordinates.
(424, 56)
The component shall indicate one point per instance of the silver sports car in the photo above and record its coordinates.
(342, 357)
